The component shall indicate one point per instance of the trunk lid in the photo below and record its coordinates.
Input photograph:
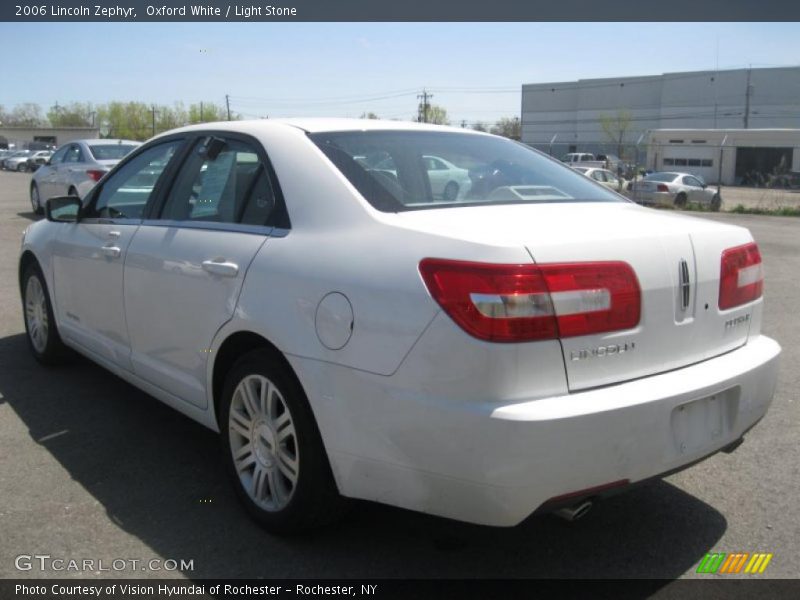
(680, 324)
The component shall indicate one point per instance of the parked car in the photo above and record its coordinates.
(573, 158)
(11, 161)
(604, 177)
(530, 349)
(447, 181)
(75, 168)
(37, 159)
(586, 159)
(675, 189)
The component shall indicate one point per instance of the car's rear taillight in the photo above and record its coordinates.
(741, 278)
(95, 175)
(518, 303)
(661, 187)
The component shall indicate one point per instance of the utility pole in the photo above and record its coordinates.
(228, 105)
(424, 97)
(154, 118)
(463, 123)
(201, 112)
(747, 93)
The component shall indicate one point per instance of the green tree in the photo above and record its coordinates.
(480, 126)
(74, 114)
(369, 115)
(616, 128)
(434, 114)
(170, 117)
(127, 120)
(206, 112)
(508, 127)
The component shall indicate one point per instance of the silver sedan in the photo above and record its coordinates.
(75, 168)
(675, 189)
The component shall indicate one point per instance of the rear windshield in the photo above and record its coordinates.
(666, 177)
(411, 170)
(110, 151)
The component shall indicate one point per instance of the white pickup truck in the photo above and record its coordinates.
(586, 159)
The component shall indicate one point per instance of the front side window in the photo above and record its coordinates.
(392, 170)
(222, 181)
(125, 193)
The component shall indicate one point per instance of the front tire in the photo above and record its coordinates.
(272, 448)
(40, 324)
(716, 203)
(22, 167)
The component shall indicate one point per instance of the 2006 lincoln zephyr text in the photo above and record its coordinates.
(359, 319)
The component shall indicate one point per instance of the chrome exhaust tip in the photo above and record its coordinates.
(575, 512)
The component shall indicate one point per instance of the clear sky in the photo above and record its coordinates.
(474, 70)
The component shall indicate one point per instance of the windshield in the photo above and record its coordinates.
(110, 151)
(411, 170)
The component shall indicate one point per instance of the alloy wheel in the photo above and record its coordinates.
(263, 443)
(36, 314)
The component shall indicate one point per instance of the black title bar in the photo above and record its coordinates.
(406, 10)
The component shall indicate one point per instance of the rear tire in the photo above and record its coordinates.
(36, 200)
(680, 200)
(450, 192)
(272, 447)
(40, 324)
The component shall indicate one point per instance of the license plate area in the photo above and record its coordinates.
(701, 424)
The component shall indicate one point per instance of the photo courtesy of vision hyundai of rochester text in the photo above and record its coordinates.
(432, 318)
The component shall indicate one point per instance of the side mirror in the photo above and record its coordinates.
(63, 209)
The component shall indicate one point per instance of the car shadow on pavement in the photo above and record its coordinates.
(30, 215)
(160, 478)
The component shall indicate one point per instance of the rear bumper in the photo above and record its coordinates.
(660, 198)
(496, 463)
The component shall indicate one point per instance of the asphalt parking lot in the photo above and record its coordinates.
(90, 467)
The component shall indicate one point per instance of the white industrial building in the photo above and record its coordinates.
(732, 156)
(568, 116)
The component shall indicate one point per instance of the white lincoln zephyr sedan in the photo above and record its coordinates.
(530, 345)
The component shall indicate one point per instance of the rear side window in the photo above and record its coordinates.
(223, 181)
(59, 155)
(125, 193)
(412, 170)
(74, 154)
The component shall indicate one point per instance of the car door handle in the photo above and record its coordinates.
(113, 235)
(112, 251)
(221, 267)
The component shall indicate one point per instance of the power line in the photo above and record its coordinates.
(425, 106)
